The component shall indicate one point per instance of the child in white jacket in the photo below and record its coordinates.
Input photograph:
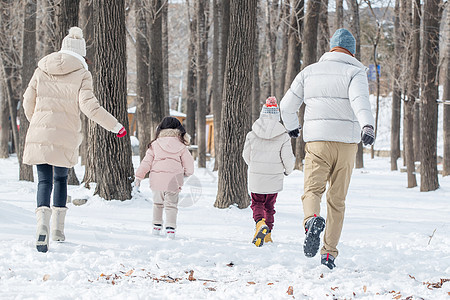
(268, 154)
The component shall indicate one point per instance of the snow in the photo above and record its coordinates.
(385, 249)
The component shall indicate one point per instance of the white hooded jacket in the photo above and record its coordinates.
(268, 153)
(336, 94)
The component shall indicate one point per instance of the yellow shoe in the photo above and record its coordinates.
(260, 233)
(268, 238)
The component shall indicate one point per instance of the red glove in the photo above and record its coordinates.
(122, 132)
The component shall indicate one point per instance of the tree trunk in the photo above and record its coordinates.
(143, 114)
(88, 32)
(202, 80)
(323, 44)
(413, 91)
(114, 169)
(9, 62)
(191, 77)
(309, 57)
(355, 28)
(294, 43)
(4, 123)
(232, 185)
(284, 24)
(50, 39)
(165, 53)
(156, 78)
(256, 85)
(429, 109)
(67, 17)
(339, 20)
(271, 44)
(446, 100)
(28, 66)
(396, 91)
(217, 77)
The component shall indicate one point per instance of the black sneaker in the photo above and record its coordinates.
(327, 260)
(313, 228)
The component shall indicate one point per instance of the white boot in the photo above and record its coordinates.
(170, 233)
(43, 215)
(59, 214)
(156, 229)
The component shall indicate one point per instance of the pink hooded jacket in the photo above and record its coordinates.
(168, 160)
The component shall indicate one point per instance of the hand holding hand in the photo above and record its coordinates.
(367, 135)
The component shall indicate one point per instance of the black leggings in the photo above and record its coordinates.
(45, 185)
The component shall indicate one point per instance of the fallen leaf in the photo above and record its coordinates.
(101, 275)
(129, 272)
(211, 289)
(334, 288)
(204, 283)
(230, 264)
(113, 282)
(321, 276)
(354, 294)
(46, 277)
(398, 296)
(412, 277)
(270, 283)
(365, 288)
(290, 290)
(191, 275)
(251, 282)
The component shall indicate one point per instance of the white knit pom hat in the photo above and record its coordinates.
(74, 41)
(270, 109)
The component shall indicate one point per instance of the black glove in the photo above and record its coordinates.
(295, 133)
(367, 135)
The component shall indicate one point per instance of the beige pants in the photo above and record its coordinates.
(332, 162)
(167, 201)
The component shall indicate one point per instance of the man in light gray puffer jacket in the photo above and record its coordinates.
(337, 116)
(268, 153)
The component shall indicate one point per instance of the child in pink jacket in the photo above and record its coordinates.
(168, 160)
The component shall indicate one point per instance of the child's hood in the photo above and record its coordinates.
(267, 128)
(169, 140)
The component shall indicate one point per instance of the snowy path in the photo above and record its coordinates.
(385, 248)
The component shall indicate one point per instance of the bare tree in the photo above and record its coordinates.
(143, 114)
(202, 79)
(10, 62)
(50, 26)
(232, 187)
(429, 109)
(165, 53)
(396, 90)
(114, 169)
(284, 37)
(446, 99)
(67, 16)
(323, 43)
(309, 57)
(339, 20)
(295, 42)
(156, 78)
(28, 66)
(413, 92)
(356, 30)
(4, 123)
(191, 73)
(271, 10)
(256, 85)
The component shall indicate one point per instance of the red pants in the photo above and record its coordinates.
(263, 207)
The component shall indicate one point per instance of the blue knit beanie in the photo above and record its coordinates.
(343, 38)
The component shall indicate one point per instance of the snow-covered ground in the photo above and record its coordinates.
(395, 244)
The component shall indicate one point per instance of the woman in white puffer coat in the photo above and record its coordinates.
(268, 153)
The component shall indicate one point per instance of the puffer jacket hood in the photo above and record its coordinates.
(167, 138)
(267, 128)
(59, 64)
